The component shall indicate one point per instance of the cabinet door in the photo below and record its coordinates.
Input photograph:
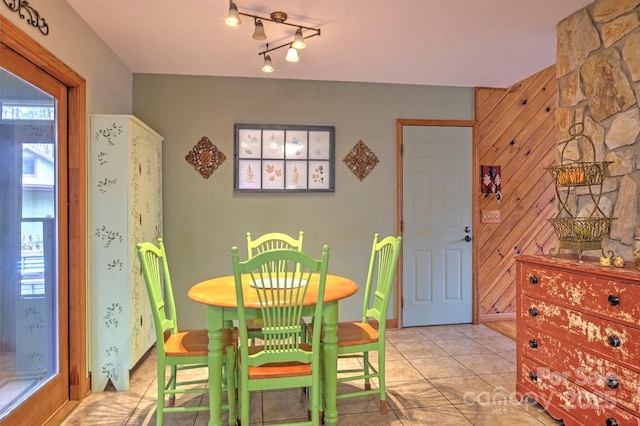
(145, 212)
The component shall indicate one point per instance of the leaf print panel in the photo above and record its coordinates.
(319, 174)
(249, 174)
(273, 174)
(297, 175)
(296, 144)
(273, 144)
(250, 143)
(319, 145)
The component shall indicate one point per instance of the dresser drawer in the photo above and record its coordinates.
(559, 395)
(596, 295)
(615, 341)
(604, 378)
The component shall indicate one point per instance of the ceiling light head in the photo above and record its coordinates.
(292, 55)
(268, 65)
(233, 17)
(279, 17)
(298, 40)
(258, 32)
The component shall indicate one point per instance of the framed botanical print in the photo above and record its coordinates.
(283, 158)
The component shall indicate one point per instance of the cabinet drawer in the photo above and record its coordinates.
(597, 295)
(559, 395)
(602, 377)
(615, 341)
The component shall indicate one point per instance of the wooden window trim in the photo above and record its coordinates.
(18, 41)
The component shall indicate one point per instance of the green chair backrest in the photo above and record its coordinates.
(155, 270)
(382, 271)
(279, 280)
(272, 241)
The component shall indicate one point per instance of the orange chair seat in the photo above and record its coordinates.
(278, 369)
(195, 342)
(356, 333)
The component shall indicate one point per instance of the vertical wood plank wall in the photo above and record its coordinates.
(516, 129)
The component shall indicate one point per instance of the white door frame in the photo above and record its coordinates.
(400, 123)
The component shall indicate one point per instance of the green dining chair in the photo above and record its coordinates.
(357, 339)
(267, 242)
(180, 349)
(278, 287)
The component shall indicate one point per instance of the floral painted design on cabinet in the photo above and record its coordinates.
(126, 208)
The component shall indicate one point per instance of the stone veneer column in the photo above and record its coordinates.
(598, 71)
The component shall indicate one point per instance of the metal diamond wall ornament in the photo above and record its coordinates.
(205, 157)
(361, 160)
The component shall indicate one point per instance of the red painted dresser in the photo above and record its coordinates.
(578, 339)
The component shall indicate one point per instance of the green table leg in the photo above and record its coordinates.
(214, 325)
(330, 362)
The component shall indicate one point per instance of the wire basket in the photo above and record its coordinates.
(579, 173)
(581, 228)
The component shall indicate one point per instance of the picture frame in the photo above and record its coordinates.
(283, 158)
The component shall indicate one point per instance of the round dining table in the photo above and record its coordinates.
(219, 294)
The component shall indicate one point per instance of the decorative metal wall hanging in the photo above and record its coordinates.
(284, 158)
(491, 181)
(361, 160)
(205, 157)
(24, 10)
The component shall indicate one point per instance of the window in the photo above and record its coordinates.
(28, 164)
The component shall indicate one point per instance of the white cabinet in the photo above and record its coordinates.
(125, 190)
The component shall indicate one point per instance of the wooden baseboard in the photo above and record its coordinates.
(505, 316)
(62, 413)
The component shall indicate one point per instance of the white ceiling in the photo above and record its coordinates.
(492, 43)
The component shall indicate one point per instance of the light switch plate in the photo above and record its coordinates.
(490, 216)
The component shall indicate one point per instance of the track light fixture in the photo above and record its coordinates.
(233, 20)
(268, 65)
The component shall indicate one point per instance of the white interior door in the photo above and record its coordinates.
(437, 206)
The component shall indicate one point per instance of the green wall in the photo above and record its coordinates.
(204, 218)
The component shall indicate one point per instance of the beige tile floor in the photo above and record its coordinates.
(439, 375)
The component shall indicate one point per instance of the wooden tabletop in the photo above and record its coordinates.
(222, 291)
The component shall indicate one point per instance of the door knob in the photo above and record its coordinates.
(467, 238)
(467, 229)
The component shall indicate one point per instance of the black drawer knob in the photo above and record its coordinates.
(533, 344)
(533, 279)
(611, 422)
(614, 341)
(612, 382)
(614, 300)
(533, 376)
(533, 312)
